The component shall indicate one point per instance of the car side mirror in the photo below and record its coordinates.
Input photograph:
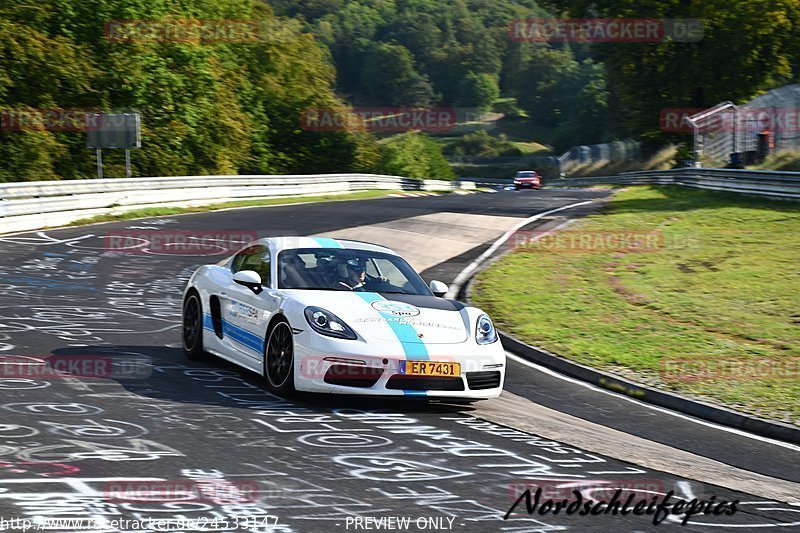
(438, 288)
(250, 279)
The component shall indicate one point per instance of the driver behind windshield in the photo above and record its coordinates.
(354, 277)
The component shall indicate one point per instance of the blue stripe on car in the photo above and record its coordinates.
(327, 242)
(237, 334)
(413, 348)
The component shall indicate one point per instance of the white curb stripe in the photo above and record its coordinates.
(464, 275)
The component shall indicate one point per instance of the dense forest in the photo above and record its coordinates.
(214, 105)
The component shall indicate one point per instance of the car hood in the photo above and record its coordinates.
(394, 317)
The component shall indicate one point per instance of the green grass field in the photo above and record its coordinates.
(713, 312)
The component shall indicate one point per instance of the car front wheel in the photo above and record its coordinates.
(193, 327)
(279, 359)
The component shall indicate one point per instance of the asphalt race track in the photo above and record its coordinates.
(72, 447)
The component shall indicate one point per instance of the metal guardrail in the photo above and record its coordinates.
(617, 151)
(756, 182)
(34, 205)
(763, 183)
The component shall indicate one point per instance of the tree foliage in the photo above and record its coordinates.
(457, 53)
(388, 77)
(414, 155)
(481, 144)
(208, 107)
(226, 106)
(748, 46)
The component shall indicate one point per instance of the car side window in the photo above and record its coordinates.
(389, 271)
(372, 269)
(254, 258)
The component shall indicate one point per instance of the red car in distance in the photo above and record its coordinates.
(527, 179)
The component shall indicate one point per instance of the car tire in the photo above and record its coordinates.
(192, 331)
(517, 187)
(279, 358)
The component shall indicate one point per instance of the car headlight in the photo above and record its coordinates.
(484, 330)
(326, 323)
(517, 182)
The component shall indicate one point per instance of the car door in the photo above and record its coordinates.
(246, 314)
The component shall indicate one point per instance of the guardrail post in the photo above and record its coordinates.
(697, 148)
(99, 164)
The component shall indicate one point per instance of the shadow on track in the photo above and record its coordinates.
(163, 373)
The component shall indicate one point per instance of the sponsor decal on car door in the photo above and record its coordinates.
(243, 324)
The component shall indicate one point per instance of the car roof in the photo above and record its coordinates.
(289, 243)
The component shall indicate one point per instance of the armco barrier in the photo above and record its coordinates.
(762, 183)
(34, 205)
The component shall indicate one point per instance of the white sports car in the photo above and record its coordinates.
(339, 316)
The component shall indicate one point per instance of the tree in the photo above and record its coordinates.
(414, 155)
(37, 73)
(543, 86)
(389, 77)
(208, 107)
(477, 90)
(748, 46)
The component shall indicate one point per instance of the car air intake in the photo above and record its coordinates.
(400, 382)
(353, 375)
(483, 380)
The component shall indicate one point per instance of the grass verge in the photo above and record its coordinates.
(662, 160)
(711, 312)
(161, 211)
(788, 161)
(532, 148)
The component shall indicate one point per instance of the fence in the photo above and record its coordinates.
(736, 130)
(33, 205)
(557, 166)
(617, 152)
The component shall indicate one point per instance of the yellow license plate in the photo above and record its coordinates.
(429, 368)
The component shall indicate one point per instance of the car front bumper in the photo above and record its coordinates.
(354, 367)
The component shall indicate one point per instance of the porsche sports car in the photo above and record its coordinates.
(340, 316)
(527, 179)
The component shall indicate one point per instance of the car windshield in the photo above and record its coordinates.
(347, 270)
(526, 174)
